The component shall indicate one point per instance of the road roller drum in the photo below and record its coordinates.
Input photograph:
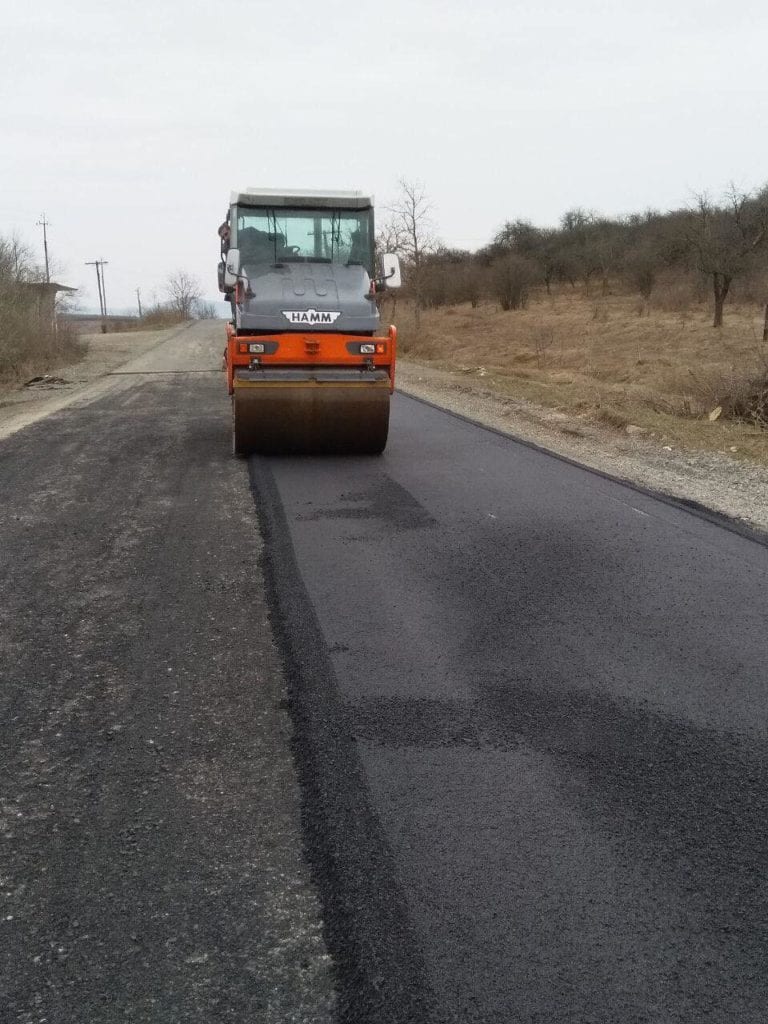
(287, 412)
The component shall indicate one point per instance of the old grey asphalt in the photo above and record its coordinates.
(150, 841)
(530, 705)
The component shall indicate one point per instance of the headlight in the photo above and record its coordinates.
(367, 350)
(256, 347)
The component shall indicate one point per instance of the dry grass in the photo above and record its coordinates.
(614, 359)
(158, 318)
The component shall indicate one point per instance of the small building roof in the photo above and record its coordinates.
(47, 286)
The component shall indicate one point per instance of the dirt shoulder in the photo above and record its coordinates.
(719, 481)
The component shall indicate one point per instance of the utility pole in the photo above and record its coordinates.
(138, 299)
(103, 263)
(45, 224)
(100, 264)
(95, 263)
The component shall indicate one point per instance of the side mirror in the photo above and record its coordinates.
(390, 265)
(232, 267)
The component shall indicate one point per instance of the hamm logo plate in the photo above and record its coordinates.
(311, 316)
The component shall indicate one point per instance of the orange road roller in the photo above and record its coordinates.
(309, 367)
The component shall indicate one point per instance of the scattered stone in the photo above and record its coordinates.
(716, 413)
(632, 428)
(46, 381)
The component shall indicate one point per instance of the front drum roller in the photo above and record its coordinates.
(288, 412)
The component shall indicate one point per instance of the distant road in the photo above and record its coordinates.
(527, 711)
(532, 717)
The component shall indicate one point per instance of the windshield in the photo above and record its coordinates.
(322, 236)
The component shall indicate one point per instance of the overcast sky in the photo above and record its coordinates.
(129, 127)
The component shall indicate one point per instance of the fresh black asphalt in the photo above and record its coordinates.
(530, 706)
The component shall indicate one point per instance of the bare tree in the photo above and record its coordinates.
(184, 293)
(389, 238)
(727, 241)
(542, 245)
(205, 310)
(412, 228)
(17, 262)
(471, 283)
(578, 252)
(640, 268)
(607, 243)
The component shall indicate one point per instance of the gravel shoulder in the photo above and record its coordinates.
(24, 404)
(732, 487)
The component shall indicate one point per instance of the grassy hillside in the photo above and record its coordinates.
(614, 359)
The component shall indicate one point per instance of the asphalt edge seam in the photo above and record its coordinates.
(380, 974)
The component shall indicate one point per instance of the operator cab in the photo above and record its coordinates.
(288, 252)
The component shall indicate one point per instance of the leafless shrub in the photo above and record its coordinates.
(451, 276)
(738, 394)
(472, 284)
(752, 288)
(511, 280)
(611, 417)
(641, 268)
(30, 343)
(159, 315)
(435, 285)
(543, 340)
(184, 301)
(676, 292)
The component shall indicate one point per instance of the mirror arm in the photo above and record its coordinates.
(239, 276)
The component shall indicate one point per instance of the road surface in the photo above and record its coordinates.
(150, 843)
(529, 721)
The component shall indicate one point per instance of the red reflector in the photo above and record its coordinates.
(242, 348)
(381, 348)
